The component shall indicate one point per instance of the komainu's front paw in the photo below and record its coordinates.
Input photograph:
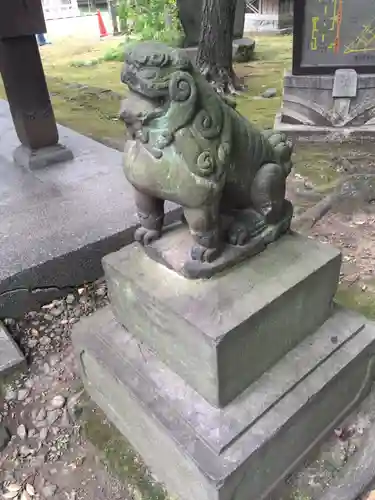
(146, 236)
(238, 234)
(203, 254)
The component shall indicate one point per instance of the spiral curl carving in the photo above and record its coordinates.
(208, 124)
(205, 164)
(181, 86)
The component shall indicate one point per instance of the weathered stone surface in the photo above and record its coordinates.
(243, 50)
(41, 158)
(11, 357)
(72, 213)
(243, 450)
(222, 334)
(345, 83)
(173, 249)
(310, 105)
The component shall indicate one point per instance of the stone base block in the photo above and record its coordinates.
(242, 50)
(242, 451)
(221, 334)
(331, 134)
(11, 358)
(174, 249)
(341, 104)
(41, 158)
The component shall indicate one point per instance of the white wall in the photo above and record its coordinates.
(80, 27)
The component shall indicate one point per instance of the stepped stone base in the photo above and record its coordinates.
(225, 385)
(242, 451)
(221, 334)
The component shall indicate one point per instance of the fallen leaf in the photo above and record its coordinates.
(30, 489)
(10, 494)
(14, 487)
(25, 496)
(371, 495)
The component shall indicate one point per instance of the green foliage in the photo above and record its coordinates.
(150, 20)
(300, 496)
(115, 53)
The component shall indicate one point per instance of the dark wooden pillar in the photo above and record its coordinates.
(25, 85)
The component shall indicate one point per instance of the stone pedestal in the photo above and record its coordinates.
(342, 104)
(225, 385)
(11, 358)
(34, 159)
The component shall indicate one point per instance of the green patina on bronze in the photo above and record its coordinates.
(190, 146)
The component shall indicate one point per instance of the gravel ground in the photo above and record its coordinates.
(47, 456)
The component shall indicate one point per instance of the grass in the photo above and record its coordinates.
(273, 57)
(357, 298)
(316, 164)
(79, 61)
(77, 73)
(87, 109)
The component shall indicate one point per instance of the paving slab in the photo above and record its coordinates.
(11, 358)
(57, 223)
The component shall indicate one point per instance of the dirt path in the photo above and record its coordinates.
(40, 409)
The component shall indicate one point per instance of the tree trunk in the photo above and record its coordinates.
(214, 57)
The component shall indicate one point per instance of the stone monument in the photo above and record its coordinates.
(25, 85)
(223, 358)
(331, 88)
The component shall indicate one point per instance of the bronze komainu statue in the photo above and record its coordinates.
(190, 146)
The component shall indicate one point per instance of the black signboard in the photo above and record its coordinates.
(333, 34)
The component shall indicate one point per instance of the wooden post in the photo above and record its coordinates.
(25, 85)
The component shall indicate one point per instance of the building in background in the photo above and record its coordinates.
(59, 9)
(269, 15)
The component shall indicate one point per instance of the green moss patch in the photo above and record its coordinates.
(119, 456)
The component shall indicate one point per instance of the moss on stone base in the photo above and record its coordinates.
(119, 456)
(357, 297)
